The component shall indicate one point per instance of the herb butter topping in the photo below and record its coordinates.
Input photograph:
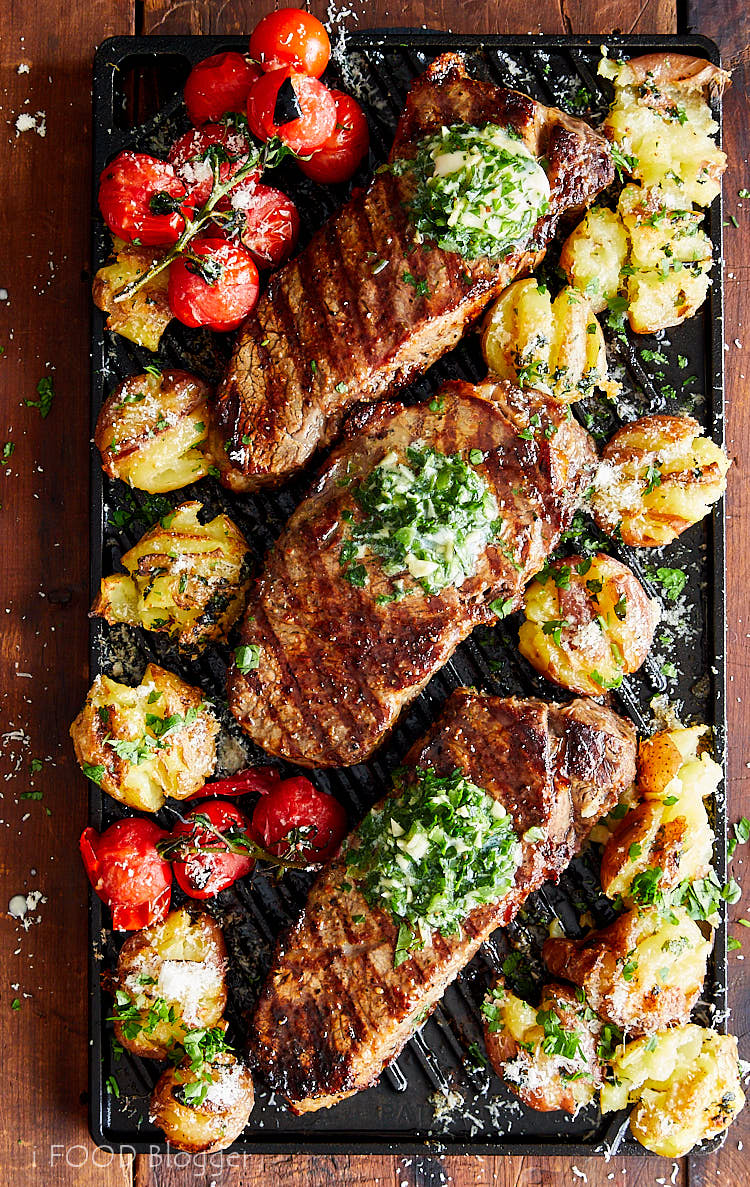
(433, 853)
(430, 518)
(480, 192)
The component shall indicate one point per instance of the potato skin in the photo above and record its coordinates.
(670, 829)
(556, 347)
(658, 476)
(181, 759)
(212, 1125)
(588, 622)
(144, 317)
(149, 968)
(187, 579)
(537, 1077)
(686, 1085)
(642, 973)
(152, 430)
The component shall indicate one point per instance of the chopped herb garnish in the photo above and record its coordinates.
(46, 392)
(673, 581)
(247, 657)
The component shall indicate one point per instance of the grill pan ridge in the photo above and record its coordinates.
(137, 104)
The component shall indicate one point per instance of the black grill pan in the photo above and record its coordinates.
(439, 1094)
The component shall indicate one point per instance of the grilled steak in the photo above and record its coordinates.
(337, 663)
(334, 1010)
(338, 326)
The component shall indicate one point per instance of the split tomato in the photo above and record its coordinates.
(206, 849)
(345, 148)
(298, 109)
(214, 284)
(218, 85)
(143, 200)
(254, 779)
(291, 37)
(127, 872)
(295, 819)
(194, 154)
(270, 223)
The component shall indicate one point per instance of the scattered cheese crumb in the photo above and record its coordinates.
(32, 123)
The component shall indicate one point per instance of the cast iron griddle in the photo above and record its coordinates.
(439, 1094)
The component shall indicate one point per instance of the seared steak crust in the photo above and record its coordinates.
(336, 667)
(334, 1011)
(337, 327)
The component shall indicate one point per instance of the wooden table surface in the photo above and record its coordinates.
(46, 55)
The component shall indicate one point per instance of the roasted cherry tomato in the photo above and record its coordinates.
(126, 871)
(203, 861)
(291, 37)
(297, 819)
(302, 133)
(143, 200)
(347, 145)
(193, 157)
(270, 223)
(218, 85)
(254, 779)
(215, 284)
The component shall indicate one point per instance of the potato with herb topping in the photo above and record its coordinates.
(203, 1110)
(185, 578)
(686, 1086)
(666, 839)
(658, 476)
(642, 973)
(547, 1056)
(144, 317)
(152, 431)
(556, 347)
(144, 743)
(588, 622)
(594, 256)
(661, 121)
(171, 979)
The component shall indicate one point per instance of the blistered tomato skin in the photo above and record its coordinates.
(137, 197)
(291, 37)
(310, 129)
(214, 285)
(191, 157)
(295, 816)
(218, 85)
(127, 872)
(270, 223)
(210, 869)
(345, 148)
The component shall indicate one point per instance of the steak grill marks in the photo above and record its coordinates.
(334, 329)
(334, 1011)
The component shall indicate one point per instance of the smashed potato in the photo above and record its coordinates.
(152, 431)
(142, 744)
(594, 256)
(658, 476)
(556, 347)
(144, 317)
(686, 1083)
(588, 622)
(185, 578)
(667, 839)
(547, 1056)
(661, 121)
(170, 980)
(203, 1111)
(642, 973)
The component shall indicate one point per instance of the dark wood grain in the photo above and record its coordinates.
(44, 217)
(44, 251)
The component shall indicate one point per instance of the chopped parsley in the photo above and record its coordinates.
(479, 191)
(46, 392)
(430, 516)
(247, 657)
(672, 581)
(432, 853)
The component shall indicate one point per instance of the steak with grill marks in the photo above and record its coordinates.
(334, 1011)
(337, 663)
(366, 307)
